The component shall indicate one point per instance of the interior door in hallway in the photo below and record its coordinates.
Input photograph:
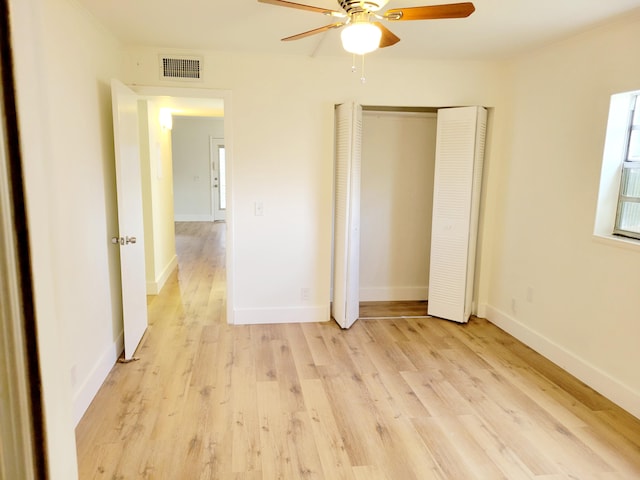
(130, 238)
(217, 155)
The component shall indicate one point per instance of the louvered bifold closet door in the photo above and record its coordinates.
(346, 278)
(456, 198)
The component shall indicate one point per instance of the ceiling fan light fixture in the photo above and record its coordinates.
(361, 37)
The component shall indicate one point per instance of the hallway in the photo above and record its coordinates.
(413, 398)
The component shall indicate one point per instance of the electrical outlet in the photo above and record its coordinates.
(304, 294)
(530, 294)
(514, 306)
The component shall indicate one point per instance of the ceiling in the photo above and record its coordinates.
(498, 29)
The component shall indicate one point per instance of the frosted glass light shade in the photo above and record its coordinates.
(361, 38)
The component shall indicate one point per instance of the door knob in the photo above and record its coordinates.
(131, 240)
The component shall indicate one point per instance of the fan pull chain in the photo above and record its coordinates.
(354, 69)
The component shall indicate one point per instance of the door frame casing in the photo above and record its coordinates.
(22, 430)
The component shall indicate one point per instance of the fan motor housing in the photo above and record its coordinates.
(358, 6)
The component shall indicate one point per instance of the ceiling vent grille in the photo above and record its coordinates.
(180, 68)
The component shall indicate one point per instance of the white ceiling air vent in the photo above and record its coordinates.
(180, 68)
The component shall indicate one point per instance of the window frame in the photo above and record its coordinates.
(627, 165)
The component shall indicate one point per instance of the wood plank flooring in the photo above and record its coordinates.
(393, 399)
(393, 309)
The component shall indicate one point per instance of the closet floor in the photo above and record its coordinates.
(393, 309)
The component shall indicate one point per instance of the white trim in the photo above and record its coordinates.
(371, 111)
(597, 379)
(193, 218)
(253, 316)
(153, 288)
(85, 394)
(611, 170)
(393, 294)
(16, 448)
(619, 242)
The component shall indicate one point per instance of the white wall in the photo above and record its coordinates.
(83, 205)
(191, 166)
(283, 134)
(64, 63)
(398, 161)
(157, 192)
(553, 283)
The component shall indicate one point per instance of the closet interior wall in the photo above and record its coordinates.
(398, 158)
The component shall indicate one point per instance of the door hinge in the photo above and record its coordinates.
(123, 240)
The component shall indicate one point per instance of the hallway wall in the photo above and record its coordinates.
(191, 166)
(157, 197)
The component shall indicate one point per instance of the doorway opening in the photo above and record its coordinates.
(189, 103)
(197, 142)
(398, 161)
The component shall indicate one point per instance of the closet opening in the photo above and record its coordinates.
(396, 203)
(407, 195)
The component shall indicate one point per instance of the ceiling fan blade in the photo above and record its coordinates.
(300, 6)
(431, 12)
(313, 32)
(388, 37)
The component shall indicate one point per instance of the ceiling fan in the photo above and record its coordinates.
(363, 32)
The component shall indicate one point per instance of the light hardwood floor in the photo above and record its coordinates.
(413, 398)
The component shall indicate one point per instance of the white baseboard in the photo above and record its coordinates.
(252, 316)
(393, 294)
(193, 218)
(153, 288)
(611, 388)
(84, 395)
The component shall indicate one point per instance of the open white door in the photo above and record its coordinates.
(130, 221)
(218, 162)
(346, 276)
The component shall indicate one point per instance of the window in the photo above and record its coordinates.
(222, 173)
(628, 211)
(617, 219)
